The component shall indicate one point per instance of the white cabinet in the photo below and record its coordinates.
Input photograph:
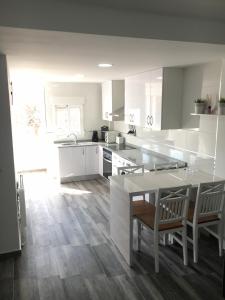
(78, 162)
(92, 160)
(153, 99)
(135, 98)
(100, 160)
(112, 100)
(71, 161)
(118, 161)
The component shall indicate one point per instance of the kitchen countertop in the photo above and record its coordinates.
(135, 154)
(152, 181)
(148, 158)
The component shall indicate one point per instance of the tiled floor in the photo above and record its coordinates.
(69, 254)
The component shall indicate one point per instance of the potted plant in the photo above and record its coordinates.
(221, 106)
(199, 106)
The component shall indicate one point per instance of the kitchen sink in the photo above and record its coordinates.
(70, 144)
(78, 144)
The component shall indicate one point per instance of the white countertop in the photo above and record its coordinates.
(152, 181)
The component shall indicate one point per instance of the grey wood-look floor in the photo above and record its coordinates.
(69, 254)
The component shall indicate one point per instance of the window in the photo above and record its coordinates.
(69, 118)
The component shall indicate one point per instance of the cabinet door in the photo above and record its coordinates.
(156, 99)
(135, 98)
(153, 100)
(107, 100)
(100, 162)
(92, 160)
(71, 161)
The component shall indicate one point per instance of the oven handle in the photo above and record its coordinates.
(109, 161)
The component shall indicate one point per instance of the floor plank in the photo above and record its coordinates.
(69, 253)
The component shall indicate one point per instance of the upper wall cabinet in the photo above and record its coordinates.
(153, 99)
(113, 100)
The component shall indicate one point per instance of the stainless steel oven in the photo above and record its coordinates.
(107, 163)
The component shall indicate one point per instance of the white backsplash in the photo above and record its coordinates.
(195, 146)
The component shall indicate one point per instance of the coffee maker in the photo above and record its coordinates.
(95, 136)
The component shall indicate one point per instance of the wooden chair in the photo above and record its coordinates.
(138, 202)
(208, 211)
(130, 170)
(169, 215)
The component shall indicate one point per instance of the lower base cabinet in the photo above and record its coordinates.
(92, 160)
(76, 162)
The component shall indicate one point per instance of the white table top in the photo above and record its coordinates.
(152, 181)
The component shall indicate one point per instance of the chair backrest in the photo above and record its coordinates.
(165, 166)
(130, 170)
(209, 200)
(172, 205)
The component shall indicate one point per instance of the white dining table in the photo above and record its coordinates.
(123, 188)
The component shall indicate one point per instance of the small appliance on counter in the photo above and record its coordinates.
(120, 140)
(103, 130)
(110, 137)
(95, 136)
(132, 130)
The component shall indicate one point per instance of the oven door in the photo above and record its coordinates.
(107, 164)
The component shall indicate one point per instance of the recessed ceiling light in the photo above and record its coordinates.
(104, 65)
(160, 77)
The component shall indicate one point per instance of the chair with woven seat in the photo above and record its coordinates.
(207, 211)
(169, 215)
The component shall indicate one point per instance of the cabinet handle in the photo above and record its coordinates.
(151, 120)
(148, 120)
(83, 151)
(96, 150)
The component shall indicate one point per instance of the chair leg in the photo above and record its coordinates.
(221, 233)
(156, 251)
(171, 239)
(195, 243)
(139, 235)
(185, 251)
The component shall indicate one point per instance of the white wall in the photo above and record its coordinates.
(90, 92)
(192, 87)
(200, 81)
(9, 235)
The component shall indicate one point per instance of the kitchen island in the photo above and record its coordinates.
(123, 188)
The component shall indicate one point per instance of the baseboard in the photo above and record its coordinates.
(79, 178)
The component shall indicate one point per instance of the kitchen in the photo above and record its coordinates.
(79, 250)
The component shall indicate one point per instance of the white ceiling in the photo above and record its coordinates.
(59, 56)
(204, 9)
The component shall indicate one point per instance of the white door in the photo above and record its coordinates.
(92, 160)
(71, 161)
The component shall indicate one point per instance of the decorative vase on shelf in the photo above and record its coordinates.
(199, 106)
(221, 107)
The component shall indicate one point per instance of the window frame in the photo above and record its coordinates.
(68, 107)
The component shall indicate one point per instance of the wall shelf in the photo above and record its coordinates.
(193, 114)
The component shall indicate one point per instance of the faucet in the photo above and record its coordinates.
(74, 137)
